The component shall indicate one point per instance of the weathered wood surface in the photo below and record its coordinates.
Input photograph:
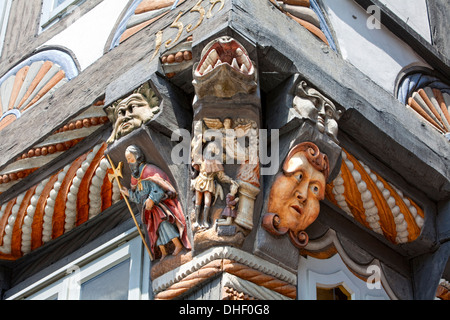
(131, 62)
(380, 122)
(374, 117)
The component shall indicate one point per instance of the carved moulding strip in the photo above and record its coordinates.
(249, 288)
(77, 193)
(229, 260)
(330, 245)
(63, 139)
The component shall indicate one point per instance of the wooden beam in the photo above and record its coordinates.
(81, 92)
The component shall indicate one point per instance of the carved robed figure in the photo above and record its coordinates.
(161, 211)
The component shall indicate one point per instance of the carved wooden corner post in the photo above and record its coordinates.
(225, 178)
(309, 157)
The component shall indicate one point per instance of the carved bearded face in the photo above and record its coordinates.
(133, 111)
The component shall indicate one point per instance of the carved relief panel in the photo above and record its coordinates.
(225, 179)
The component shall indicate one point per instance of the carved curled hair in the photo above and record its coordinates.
(271, 222)
(317, 159)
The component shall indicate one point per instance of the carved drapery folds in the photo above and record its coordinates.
(143, 154)
(225, 165)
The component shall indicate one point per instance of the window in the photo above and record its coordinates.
(5, 7)
(110, 272)
(54, 10)
(330, 279)
(333, 293)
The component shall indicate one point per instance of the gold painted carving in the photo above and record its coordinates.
(178, 24)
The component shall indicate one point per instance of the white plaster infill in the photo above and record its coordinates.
(166, 280)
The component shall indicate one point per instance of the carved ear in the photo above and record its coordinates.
(270, 223)
(299, 240)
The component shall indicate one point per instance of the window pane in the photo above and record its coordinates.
(336, 293)
(57, 3)
(109, 285)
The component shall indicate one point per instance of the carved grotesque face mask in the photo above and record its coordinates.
(311, 104)
(294, 199)
(132, 112)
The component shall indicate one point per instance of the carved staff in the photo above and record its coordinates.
(117, 173)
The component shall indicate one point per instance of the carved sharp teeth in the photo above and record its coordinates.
(217, 63)
(208, 69)
(244, 61)
(244, 69)
(212, 57)
(242, 58)
(235, 64)
(239, 52)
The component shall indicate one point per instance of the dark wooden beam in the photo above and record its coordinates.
(374, 117)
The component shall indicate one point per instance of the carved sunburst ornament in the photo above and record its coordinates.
(429, 98)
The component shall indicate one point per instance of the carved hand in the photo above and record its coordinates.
(125, 191)
(149, 204)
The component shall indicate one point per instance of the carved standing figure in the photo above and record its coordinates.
(206, 186)
(161, 211)
(230, 212)
(294, 199)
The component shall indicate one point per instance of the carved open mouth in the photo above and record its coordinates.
(297, 209)
(225, 51)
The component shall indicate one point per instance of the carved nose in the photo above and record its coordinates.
(301, 197)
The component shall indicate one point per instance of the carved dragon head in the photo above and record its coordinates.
(225, 69)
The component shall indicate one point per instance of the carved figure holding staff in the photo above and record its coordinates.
(161, 210)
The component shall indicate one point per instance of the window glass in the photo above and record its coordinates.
(335, 293)
(54, 10)
(58, 3)
(111, 284)
(5, 6)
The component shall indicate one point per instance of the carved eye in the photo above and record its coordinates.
(298, 176)
(329, 111)
(315, 189)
